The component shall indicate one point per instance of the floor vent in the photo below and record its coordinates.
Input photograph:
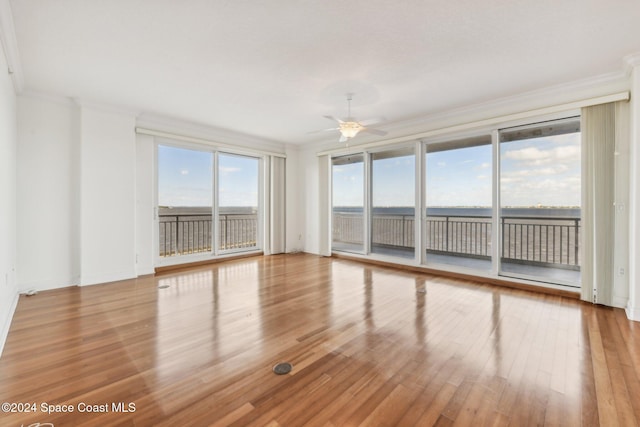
(282, 368)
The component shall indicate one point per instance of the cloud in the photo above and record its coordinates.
(533, 156)
(225, 170)
(548, 171)
(548, 191)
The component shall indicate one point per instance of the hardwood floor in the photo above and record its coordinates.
(368, 346)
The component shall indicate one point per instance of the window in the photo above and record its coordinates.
(503, 202)
(458, 202)
(188, 202)
(393, 202)
(185, 201)
(540, 199)
(348, 203)
(238, 202)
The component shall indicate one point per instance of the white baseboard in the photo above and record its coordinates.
(98, 279)
(633, 313)
(6, 322)
(145, 271)
(620, 302)
(45, 285)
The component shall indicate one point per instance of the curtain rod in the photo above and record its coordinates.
(227, 147)
(621, 96)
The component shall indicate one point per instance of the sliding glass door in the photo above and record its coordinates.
(348, 204)
(501, 202)
(393, 202)
(185, 201)
(208, 203)
(238, 198)
(540, 199)
(458, 202)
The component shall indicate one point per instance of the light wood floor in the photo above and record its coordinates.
(368, 346)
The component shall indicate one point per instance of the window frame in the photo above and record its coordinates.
(215, 252)
(490, 131)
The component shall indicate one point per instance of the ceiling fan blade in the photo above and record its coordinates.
(374, 131)
(333, 118)
(373, 121)
(322, 130)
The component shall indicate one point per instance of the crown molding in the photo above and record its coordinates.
(493, 122)
(10, 45)
(106, 108)
(78, 103)
(631, 61)
(558, 94)
(198, 130)
(48, 97)
(552, 95)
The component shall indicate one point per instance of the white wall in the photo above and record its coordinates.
(294, 193)
(48, 223)
(107, 196)
(8, 156)
(76, 194)
(314, 179)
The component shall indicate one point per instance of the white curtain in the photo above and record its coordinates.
(277, 212)
(598, 196)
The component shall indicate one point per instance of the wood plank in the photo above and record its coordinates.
(366, 349)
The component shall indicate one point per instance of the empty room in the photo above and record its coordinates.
(319, 213)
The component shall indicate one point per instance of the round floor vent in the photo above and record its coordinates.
(282, 368)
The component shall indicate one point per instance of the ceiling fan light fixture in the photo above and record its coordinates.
(350, 129)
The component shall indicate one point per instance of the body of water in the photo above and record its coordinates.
(468, 212)
(205, 210)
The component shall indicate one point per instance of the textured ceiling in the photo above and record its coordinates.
(274, 68)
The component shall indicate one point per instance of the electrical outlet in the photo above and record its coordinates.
(621, 271)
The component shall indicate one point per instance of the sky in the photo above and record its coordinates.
(534, 172)
(185, 178)
(541, 171)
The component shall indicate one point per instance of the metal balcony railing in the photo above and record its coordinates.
(545, 240)
(184, 234)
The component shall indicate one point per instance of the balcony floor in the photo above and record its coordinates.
(531, 272)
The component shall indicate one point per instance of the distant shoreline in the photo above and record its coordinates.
(563, 212)
(205, 210)
(557, 212)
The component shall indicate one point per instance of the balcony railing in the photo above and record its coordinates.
(184, 234)
(544, 241)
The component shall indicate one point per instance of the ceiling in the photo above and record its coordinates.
(273, 68)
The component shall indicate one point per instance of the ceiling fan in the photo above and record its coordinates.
(350, 127)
